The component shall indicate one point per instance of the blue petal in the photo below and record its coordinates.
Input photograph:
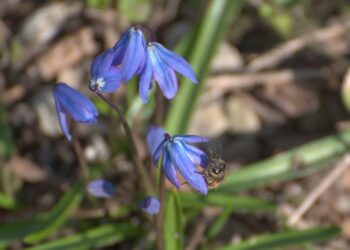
(150, 205)
(113, 80)
(101, 188)
(197, 156)
(176, 62)
(185, 166)
(120, 47)
(62, 118)
(157, 154)
(134, 54)
(154, 137)
(146, 80)
(191, 138)
(102, 63)
(164, 75)
(77, 105)
(169, 169)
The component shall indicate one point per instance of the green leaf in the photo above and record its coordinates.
(280, 20)
(42, 225)
(7, 148)
(211, 30)
(238, 203)
(135, 10)
(220, 221)
(301, 161)
(7, 202)
(285, 239)
(52, 221)
(101, 4)
(173, 228)
(95, 238)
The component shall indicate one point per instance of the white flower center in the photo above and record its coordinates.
(97, 84)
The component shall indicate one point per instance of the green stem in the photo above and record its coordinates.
(217, 18)
(146, 182)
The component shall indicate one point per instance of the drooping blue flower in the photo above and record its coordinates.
(150, 205)
(178, 155)
(74, 104)
(154, 137)
(160, 66)
(101, 188)
(104, 77)
(130, 52)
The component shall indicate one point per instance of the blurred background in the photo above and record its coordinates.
(274, 97)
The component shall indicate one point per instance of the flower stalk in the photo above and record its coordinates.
(140, 168)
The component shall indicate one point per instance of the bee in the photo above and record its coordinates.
(214, 173)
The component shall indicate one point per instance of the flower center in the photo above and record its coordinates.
(168, 137)
(96, 85)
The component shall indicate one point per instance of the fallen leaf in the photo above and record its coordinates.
(27, 170)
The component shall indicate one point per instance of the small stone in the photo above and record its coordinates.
(242, 116)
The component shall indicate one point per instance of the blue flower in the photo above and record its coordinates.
(130, 52)
(71, 102)
(160, 66)
(154, 137)
(104, 76)
(150, 205)
(101, 188)
(177, 155)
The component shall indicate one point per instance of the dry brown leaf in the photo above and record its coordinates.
(27, 170)
(44, 23)
(67, 52)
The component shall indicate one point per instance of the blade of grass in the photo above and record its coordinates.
(220, 221)
(173, 228)
(59, 214)
(238, 203)
(285, 239)
(42, 225)
(211, 30)
(301, 161)
(95, 238)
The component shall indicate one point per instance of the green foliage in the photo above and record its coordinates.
(173, 226)
(43, 225)
(98, 237)
(100, 4)
(214, 24)
(135, 10)
(7, 202)
(7, 148)
(298, 162)
(220, 221)
(285, 239)
(280, 20)
(219, 199)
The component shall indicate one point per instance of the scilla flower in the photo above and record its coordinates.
(150, 205)
(104, 77)
(177, 154)
(74, 104)
(130, 52)
(101, 188)
(160, 66)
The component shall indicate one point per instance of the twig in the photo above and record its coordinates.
(273, 57)
(319, 190)
(221, 84)
(81, 159)
(146, 182)
(198, 233)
